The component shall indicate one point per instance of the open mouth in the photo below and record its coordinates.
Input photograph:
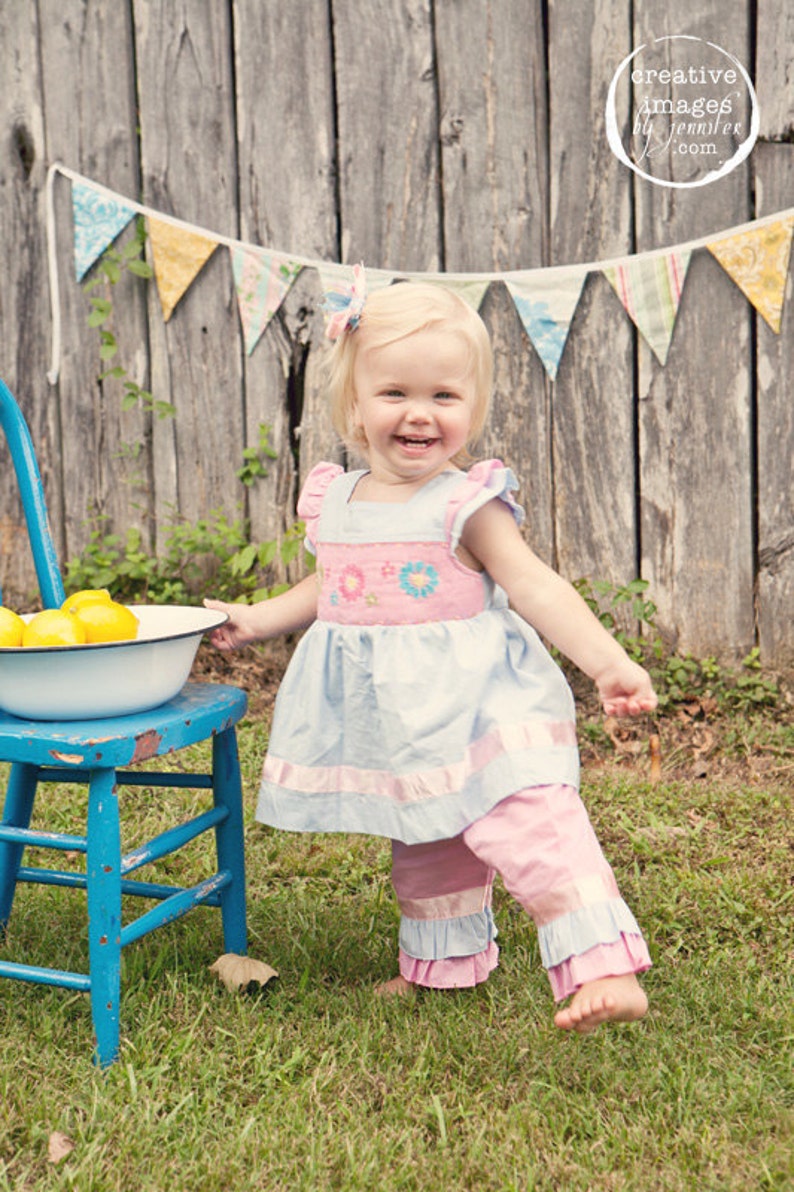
(415, 442)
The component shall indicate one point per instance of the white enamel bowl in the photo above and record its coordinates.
(110, 678)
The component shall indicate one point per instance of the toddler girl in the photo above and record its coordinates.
(421, 704)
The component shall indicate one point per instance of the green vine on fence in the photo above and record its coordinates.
(212, 556)
(112, 266)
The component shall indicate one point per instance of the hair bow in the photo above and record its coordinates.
(345, 306)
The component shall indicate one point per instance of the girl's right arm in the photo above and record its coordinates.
(287, 613)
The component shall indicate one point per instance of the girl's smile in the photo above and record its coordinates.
(414, 403)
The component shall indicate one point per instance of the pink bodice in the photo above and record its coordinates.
(398, 583)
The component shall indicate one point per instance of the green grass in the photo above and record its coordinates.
(317, 1084)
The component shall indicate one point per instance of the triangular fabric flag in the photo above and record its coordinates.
(98, 218)
(758, 262)
(470, 290)
(337, 279)
(650, 289)
(546, 306)
(178, 255)
(262, 280)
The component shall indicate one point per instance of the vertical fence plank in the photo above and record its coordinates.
(24, 320)
(494, 176)
(285, 118)
(696, 481)
(774, 187)
(593, 396)
(185, 88)
(387, 125)
(89, 88)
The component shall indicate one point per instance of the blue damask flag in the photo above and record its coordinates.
(98, 219)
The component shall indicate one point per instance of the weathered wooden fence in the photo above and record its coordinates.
(457, 135)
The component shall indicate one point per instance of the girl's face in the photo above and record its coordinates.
(415, 401)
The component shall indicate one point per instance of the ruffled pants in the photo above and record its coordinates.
(542, 844)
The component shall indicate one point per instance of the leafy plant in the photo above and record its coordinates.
(210, 557)
(254, 466)
(683, 678)
(604, 598)
(678, 678)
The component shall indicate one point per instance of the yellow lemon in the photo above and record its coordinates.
(85, 596)
(106, 621)
(53, 627)
(11, 627)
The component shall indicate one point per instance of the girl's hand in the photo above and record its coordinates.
(287, 613)
(235, 632)
(626, 689)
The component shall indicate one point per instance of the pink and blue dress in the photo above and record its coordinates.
(420, 707)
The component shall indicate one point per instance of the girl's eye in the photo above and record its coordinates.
(444, 396)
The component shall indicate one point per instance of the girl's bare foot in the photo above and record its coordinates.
(397, 987)
(612, 999)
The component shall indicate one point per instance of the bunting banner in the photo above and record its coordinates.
(179, 255)
(546, 306)
(649, 285)
(758, 262)
(262, 280)
(650, 291)
(98, 220)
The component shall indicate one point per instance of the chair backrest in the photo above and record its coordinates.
(23, 457)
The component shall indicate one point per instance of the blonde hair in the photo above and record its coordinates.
(394, 313)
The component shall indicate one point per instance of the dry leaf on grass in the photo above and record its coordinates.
(58, 1147)
(623, 737)
(237, 972)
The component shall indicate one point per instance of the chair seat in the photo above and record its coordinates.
(199, 710)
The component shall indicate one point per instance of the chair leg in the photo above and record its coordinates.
(16, 814)
(227, 790)
(103, 872)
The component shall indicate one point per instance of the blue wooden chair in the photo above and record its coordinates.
(105, 754)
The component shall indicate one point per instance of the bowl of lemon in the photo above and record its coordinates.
(94, 657)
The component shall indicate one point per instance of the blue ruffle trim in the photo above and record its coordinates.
(440, 939)
(577, 932)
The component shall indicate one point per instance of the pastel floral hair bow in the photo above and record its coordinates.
(345, 305)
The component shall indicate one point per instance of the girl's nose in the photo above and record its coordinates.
(416, 412)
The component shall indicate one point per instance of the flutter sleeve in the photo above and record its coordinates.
(486, 481)
(310, 502)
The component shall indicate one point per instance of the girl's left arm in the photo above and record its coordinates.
(556, 610)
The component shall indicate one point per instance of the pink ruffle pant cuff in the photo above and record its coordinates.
(541, 842)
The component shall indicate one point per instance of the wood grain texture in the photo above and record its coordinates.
(24, 316)
(387, 123)
(189, 169)
(287, 167)
(495, 196)
(593, 396)
(89, 108)
(695, 413)
(419, 135)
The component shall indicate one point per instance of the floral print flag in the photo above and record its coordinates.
(546, 303)
(97, 218)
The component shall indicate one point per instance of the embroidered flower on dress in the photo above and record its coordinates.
(418, 579)
(351, 582)
(388, 570)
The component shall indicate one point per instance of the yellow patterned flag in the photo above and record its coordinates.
(179, 255)
(758, 262)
